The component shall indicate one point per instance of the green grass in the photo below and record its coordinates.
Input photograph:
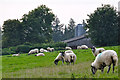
(30, 66)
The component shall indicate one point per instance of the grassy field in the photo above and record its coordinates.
(30, 66)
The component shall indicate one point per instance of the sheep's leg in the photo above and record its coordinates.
(113, 67)
(63, 62)
(109, 68)
(102, 70)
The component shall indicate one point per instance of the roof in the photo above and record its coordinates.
(75, 38)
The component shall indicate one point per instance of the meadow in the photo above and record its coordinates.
(30, 66)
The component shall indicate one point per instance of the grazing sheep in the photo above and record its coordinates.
(83, 47)
(68, 48)
(50, 49)
(96, 51)
(106, 58)
(59, 58)
(33, 51)
(69, 56)
(40, 54)
(43, 50)
(16, 54)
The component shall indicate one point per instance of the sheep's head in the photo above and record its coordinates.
(56, 61)
(93, 49)
(93, 69)
(63, 53)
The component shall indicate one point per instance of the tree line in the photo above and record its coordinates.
(38, 26)
(42, 26)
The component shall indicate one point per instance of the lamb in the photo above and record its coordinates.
(106, 58)
(82, 47)
(16, 54)
(33, 51)
(40, 54)
(50, 49)
(96, 51)
(68, 48)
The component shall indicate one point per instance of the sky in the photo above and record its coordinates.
(63, 9)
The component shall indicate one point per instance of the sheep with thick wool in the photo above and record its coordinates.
(43, 50)
(82, 47)
(106, 58)
(50, 49)
(33, 51)
(67, 56)
(68, 48)
(40, 54)
(16, 54)
(96, 51)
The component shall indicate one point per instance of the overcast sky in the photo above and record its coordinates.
(64, 9)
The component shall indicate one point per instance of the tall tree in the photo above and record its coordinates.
(103, 26)
(71, 28)
(12, 33)
(57, 30)
(37, 25)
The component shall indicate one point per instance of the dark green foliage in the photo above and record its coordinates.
(23, 48)
(12, 33)
(103, 26)
(119, 28)
(57, 30)
(69, 31)
(37, 25)
(26, 47)
(34, 27)
(7, 51)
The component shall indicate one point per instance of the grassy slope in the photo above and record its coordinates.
(31, 66)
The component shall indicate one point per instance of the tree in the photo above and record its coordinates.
(119, 27)
(12, 33)
(57, 30)
(37, 25)
(71, 28)
(103, 26)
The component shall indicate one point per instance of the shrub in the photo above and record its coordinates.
(23, 48)
(7, 51)
(60, 44)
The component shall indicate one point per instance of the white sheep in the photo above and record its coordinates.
(16, 54)
(68, 48)
(33, 51)
(40, 54)
(78, 47)
(43, 50)
(50, 49)
(69, 56)
(36, 50)
(96, 51)
(106, 58)
(82, 47)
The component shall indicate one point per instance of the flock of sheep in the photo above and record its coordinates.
(103, 57)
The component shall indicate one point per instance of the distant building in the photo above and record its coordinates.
(79, 30)
(80, 38)
(78, 41)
